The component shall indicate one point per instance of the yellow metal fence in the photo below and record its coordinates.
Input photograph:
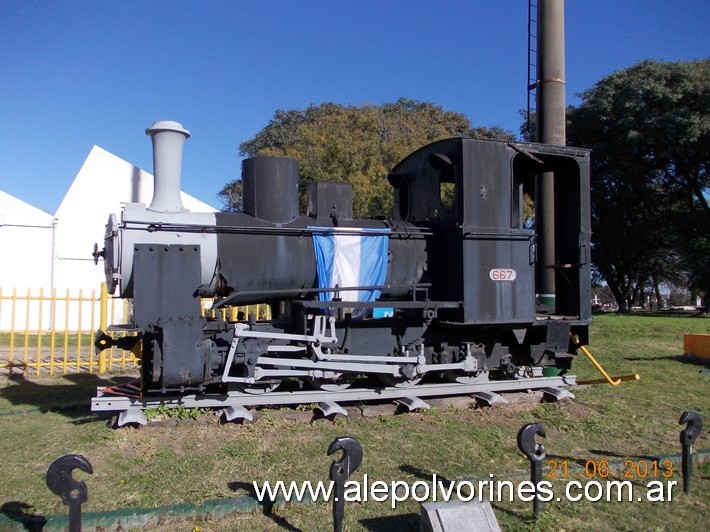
(53, 333)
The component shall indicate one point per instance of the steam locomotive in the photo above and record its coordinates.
(444, 289)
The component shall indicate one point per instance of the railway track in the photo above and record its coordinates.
(234, 404)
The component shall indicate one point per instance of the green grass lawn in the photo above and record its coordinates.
(200, 460)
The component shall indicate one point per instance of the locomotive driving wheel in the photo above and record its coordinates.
(257, 388)
(332, 385)
(408, 376)
(473, 370)
(399, 382)
(462, 377)
(334, 381)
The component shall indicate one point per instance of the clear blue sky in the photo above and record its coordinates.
(79, 73)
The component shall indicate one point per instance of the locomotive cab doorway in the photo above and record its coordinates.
(567, 233)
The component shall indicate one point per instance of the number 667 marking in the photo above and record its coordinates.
(502, 274)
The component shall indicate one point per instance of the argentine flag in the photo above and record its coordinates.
(357, 257)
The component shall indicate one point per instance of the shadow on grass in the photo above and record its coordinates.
(583, 462)
(425, 474)
(405, 522)
(267, 505)
(691, 314)
(685, 359)
(524, 516)
(72, 400)
(560, 458)
(624, 457)
(21, 513)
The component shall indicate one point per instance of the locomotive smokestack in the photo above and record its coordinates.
(168, 139)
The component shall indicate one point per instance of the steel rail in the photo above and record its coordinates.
(111, 403)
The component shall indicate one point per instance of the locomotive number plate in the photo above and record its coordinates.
(502, 274)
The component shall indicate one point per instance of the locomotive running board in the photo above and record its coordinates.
(111, 403)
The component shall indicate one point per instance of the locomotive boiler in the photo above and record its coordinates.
(445, 288)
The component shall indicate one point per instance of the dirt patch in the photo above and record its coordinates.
(573, 408)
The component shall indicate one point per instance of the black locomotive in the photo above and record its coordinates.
(446, 288)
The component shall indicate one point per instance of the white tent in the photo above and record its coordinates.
(26, 240)
(41, 251)
(102, 185)
(26, 237)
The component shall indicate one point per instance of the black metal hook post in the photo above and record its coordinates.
(340, 471)
(534, 452)
(73, 493)
(687, 438)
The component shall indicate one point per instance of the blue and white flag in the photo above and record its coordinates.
(356, 258)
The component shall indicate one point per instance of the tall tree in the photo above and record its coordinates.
(649, 129)
(357, 144)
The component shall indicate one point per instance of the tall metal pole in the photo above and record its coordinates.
(550, 129)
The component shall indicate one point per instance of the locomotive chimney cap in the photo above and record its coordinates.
(167, 125)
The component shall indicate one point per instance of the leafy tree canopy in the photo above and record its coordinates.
(649, 129)
(357, 144)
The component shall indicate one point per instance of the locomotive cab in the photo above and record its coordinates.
(470, 194)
